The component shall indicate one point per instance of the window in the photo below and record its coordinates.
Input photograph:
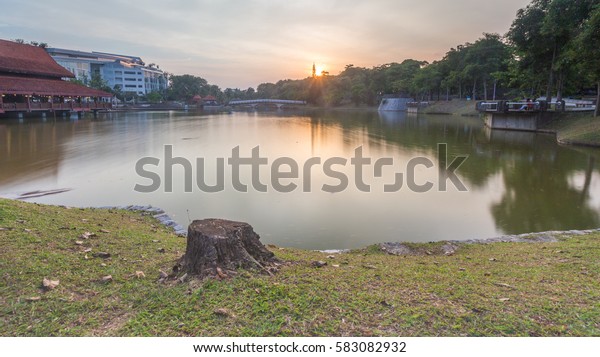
(129, 72)
(118, 72)
(129, 86)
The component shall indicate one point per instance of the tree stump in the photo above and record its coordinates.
(218, 247)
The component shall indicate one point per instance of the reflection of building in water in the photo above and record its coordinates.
(31, 151)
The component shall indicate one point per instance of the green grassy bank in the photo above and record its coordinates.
(500, 289)
(452, 107)
(576, 128)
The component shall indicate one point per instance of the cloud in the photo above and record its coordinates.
(244, 43)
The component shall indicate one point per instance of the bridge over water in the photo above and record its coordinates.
(278, 102)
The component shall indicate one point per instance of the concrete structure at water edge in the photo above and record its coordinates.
(523, 115)
(527, 115)
(394, 104)
(515, 121)
(415, 107)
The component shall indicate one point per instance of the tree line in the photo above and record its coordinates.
(551, 50)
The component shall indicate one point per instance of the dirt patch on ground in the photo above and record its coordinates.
(396, 248)
(109, 327)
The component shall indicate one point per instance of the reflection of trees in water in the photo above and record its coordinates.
(538, 197)
(537, 194)
(535, 170)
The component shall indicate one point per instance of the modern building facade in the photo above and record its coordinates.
(128, 73)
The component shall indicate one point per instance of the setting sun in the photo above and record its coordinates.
(318, 70)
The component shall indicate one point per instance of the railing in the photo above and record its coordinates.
(273, 101)
(524, 106)
(70, 106)
(517, 106)
(572, 106)
(417, 104)
(487, 106)
(537, 106)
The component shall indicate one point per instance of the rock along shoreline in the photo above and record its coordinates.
(156, 212)
(396, 248)
(448, 247)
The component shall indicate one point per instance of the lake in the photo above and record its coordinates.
(515, 182)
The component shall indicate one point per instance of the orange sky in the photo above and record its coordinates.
(242, 43)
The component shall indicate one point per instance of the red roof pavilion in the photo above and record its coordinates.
(27, 70)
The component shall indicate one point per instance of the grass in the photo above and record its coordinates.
(501, 289)
(453, 107)
(576, 128)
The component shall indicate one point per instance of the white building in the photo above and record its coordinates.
(127, 72)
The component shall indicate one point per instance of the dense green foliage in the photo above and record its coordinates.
(548, 58)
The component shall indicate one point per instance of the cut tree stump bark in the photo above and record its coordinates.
(218, 247)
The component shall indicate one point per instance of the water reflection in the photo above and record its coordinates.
(518, 182)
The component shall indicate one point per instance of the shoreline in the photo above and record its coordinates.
(106, 267)
(570, 128)
(401, 247)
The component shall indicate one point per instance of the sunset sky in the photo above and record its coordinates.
(242, 43)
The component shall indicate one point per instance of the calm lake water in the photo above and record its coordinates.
(517, 182)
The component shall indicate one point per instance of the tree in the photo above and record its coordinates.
(266, 90)
(33, 43)
(427, 80)
(154, 97)
(535, 51)
(400, 76)
(452, 69)
(186, 86)
(118, 92)
(589, 51)
(83, 81)
(98, 82)
(543, 35)
(488, 55)
(562, 24)
(249, 93)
